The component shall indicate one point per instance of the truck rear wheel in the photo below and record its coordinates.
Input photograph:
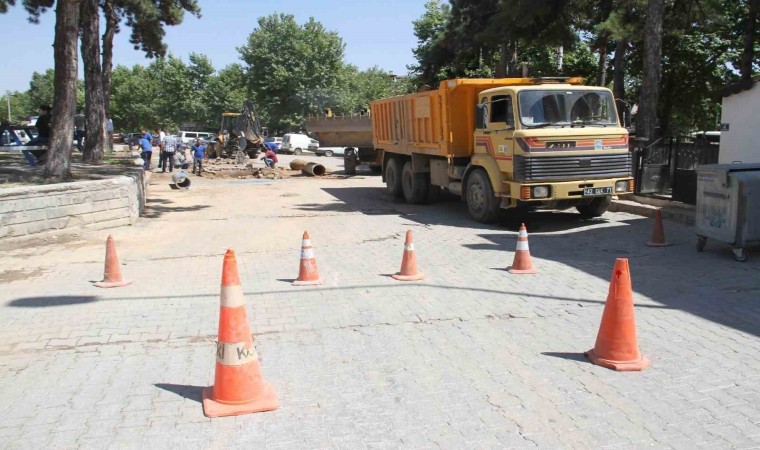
(481, 200)
(349, 161)
(393, 177)
(414, 185)
(595, 208)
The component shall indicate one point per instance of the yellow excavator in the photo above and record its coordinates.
(240, 135)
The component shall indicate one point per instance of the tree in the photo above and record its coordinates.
(65, 99)
(224, 92)
(429, 30)
(96, 137)
(292, 69)
(20, 107)
(357, 89)
(146, 19)
(751, 39)
(646, 125)
(134, 94)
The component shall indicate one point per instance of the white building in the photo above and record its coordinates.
(739, 123)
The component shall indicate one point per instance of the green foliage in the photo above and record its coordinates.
(41, 91)
(702, 46)
(292, 69)
(356, 89)
(147, 18)
(21, 109)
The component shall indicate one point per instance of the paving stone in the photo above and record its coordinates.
(470, 357)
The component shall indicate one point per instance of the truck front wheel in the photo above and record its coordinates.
(481, 200)
(414, 185)
(393, 177)
(595, 208)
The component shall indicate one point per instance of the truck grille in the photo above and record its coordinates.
(539, 168)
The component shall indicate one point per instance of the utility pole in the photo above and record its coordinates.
(8, 96)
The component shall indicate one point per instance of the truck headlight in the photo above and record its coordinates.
(621, 186)
(540, 191)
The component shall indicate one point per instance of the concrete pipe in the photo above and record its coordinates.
(181, 180)
(314, 169)
(308, 168)
(298, 164)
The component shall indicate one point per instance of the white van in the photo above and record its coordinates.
(295, 143)
(189, 137)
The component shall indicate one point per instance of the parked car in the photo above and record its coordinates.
(189, 137)
(132, 139)
(276, 140)
(313, 145)
(330, 151)
(295, 143)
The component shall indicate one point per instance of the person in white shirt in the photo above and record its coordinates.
(168, 147)
(161, 137)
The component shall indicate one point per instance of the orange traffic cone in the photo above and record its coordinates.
(409, 271)
(522, 264)
(307, 272)
(617, 346)
(658, 233)
(239, 387)
(112, 273)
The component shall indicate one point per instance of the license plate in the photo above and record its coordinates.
(597, 192)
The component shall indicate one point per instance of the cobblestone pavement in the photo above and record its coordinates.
(470, 357)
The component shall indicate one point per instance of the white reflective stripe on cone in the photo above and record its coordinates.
(306, 243)
(307, 253)
(232, 296)
(522, 245)
(409, 247)
(522, 233)
(235, 354)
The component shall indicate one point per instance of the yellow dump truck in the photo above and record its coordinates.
(505, 143)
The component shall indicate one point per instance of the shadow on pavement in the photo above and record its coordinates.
(154, 211)
(296, 292)
(58, 300)
(710, 285)
(187, 391)
(571, 356)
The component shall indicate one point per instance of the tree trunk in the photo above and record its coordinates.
(601, 70)
(501, 66)
(646, 120)
(96, 137)
(112, 24)
(749, 38)
(618, 81)
(58, 164)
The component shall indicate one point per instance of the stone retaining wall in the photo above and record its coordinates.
(95, 204)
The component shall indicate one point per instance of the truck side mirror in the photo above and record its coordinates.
(481, 112)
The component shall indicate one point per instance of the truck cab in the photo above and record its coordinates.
(552, 145)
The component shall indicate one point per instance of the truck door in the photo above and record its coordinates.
(498, 135)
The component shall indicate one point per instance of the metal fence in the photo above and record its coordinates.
(667, 167)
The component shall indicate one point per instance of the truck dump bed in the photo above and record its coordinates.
(341, 131)
(439, 122)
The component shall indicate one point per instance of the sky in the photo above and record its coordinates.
(376, 32)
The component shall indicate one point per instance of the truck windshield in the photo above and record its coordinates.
(540, 109)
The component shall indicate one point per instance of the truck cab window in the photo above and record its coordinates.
(501, 110)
